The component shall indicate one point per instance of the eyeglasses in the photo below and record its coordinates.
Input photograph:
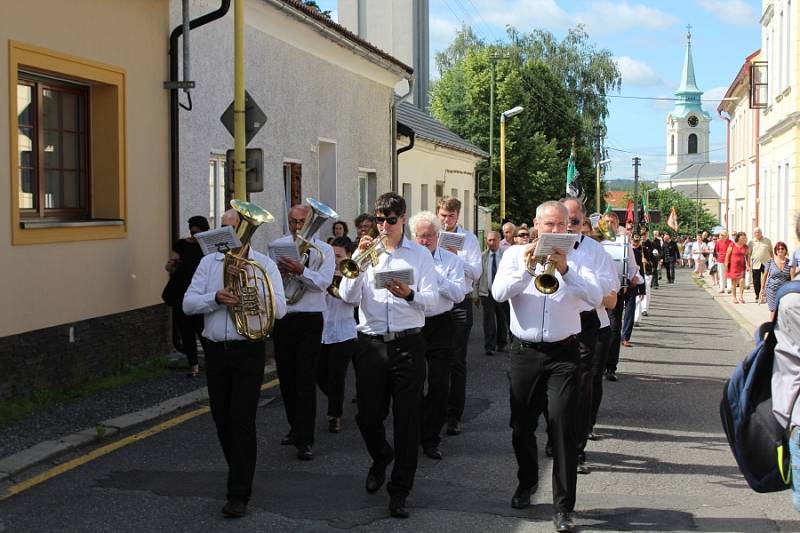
(575, 222)
(523, 235)
(391, 220)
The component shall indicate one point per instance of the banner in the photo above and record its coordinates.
(672, 221)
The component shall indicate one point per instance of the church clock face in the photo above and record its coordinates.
(693, 121)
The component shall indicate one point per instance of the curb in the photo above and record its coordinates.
(51, 449)
(744, 321)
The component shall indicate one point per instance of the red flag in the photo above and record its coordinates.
(672, 221)
(629, 216)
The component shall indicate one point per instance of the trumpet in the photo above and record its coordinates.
(351, 268)
(333, 288)
(546, 282)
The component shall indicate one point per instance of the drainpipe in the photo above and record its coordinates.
(174, 145)
(393, 113)
(756, 223)
(727, 119)
(406, 131)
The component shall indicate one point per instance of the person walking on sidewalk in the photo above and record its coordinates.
(495, 319)
(737, 262)
(778, 270)
(760, 252)
(234, 367)
(720, 253)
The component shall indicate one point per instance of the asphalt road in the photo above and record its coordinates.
(662, 465)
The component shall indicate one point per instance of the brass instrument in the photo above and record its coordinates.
(606, 231)
(351, 268)
(254, 315)
(319, 214)
(546, 282)
(333, 288)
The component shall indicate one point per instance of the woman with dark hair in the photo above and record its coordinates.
(340, 229)
(776, 273)
(737, 262)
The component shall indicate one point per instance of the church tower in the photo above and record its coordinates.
(687, 124)
(399, 27)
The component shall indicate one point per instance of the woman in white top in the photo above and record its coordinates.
(699, 254)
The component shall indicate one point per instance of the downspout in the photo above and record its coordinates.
(758, 167)
(405, 131)
(396, 100)
(728, 167)
(174, 144)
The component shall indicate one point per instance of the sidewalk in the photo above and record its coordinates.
(749, 315)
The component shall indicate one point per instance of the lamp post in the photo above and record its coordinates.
(506, 115)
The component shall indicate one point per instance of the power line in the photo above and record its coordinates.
(661, 98)
(661, 155)
(483, 20)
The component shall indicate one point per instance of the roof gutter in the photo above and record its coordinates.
(406, 131)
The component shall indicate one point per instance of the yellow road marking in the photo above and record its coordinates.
(108, 448)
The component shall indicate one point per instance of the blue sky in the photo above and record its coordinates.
(647, 37)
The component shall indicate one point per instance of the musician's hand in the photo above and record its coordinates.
(398, 288)
(610, 300)
(288, 265)
(233, 270)
(364, 243)
(226, 297)
(559, 260)
(451, 249)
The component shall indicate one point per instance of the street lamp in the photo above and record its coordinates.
(506, 115)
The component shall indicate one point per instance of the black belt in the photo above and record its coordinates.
(393, 336)
(440, 316)
(233, 343)
(549, 346)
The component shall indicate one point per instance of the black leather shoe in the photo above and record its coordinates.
(288, 439)
(433, 453)
(593, 436)
(453, 428)
(335, 424)
(564, 523)
(234, 509)
(397, 507)
(489, 352)
(521, 498)
(548, 450)
(375, 477)
(583, 468)
(304, 453)
(611, 376)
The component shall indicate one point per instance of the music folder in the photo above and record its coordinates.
(218, 240)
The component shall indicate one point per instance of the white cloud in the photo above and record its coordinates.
(523, 14)
(638, 73)
(608, 16)
(712, 98)
(442, 32)
(736, 12)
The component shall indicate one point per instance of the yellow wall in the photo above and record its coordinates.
(59, 283)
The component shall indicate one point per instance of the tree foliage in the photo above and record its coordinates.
(690, 212)
(561, 86)
(313, 3)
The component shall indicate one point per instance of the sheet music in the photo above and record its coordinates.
(382, 277)
(286, 249)
(449, 238)
(218, 240)
(549, 241)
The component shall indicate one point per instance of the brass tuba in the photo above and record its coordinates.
(254, 315)
(351, 268)
(319, 214)
(546, 282)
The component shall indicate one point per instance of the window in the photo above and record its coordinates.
(467, 210)
(218, 197)
(423, 197)
(67, 137)
(439, 190)
(367, 191)
(692, 143)
(406, 188)
(672, 145)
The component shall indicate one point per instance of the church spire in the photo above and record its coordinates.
(688, 83)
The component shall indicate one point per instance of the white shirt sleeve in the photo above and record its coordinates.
(200, 297)
(512, 276)
(319, 280)
(451, 285)
(427, 292)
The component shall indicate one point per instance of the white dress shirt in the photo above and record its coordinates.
(316, 277)
(536, 317)
(470, 254)
(339, 322)
(379, 310)
(593, 254)
(208, 279)
(450, 279)
(486, 279)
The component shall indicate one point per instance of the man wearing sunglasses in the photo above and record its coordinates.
(390, 362)
(448, 210)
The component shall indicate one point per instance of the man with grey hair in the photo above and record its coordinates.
(544, 371)
(760, 253)
(509, 230)
(495, 317)
(438, 331)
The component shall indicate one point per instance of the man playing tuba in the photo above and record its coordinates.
(234, 362)
(298, 335)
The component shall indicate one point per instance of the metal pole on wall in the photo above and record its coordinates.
(636, 162)
(597, 131)
(239, 164)
(502, 168)
(491, 126)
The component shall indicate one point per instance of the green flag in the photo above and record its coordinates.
(574, 188)
(646, 206)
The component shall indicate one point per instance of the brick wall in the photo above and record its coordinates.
(46, 359)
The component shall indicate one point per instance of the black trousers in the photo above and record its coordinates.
(757, 273)
(190, 328)
(234, 372)
(462, 318)
(391, 372)
(495, 323)
(438, 333)
(539, 377)
(656, 274)
(332, 373)
(615, 317)
(598, 367)
(298, 340)
(669, 266)
(587, 341)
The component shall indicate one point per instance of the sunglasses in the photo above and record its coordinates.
(391, 220)
(575, 222)
(523, 235)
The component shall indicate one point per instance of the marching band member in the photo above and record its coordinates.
(298, 335)
(338, 341)
(438, 330)
(544, 371)
(595, 257)
(448, 210)
(234, 367)
(390, 361)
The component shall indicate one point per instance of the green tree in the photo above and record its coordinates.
(689, 211)
(313, 3)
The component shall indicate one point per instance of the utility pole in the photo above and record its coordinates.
(491, 123)
(636, 162)
(598, 131)
(239, 163)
